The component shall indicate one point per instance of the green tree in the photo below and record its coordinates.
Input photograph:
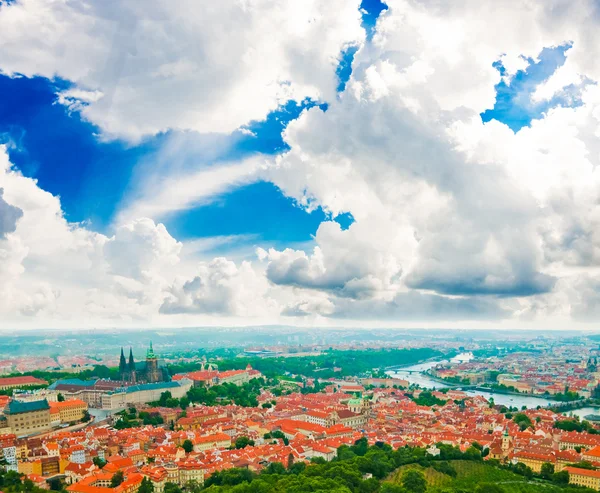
(229, 477)
(188, 446)
(146, 486)
(523, 470)
(164, 397)
(243, 442)
(547, 470)
(116, 479)
(55, 484)
(193, 487)
(86, 416)
(99, 462)
(414, 482)
(60, 397)
(275, 468)
(522, 420)
(561, 478)
(172, 488)
(391, 488)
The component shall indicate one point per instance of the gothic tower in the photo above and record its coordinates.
(152, 371)
(131, 367)
(122, 366)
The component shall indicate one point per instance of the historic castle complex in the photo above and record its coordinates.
(149, 371)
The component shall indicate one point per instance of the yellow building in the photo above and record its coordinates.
(30, 467)
(212, 442)
(533, 460)
(70, 410)
(584, 477)
(28, 418)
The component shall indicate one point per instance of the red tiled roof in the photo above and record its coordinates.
(582, 472)
(22, 381)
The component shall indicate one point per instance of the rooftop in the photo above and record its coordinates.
(26, 380)
(17, 407)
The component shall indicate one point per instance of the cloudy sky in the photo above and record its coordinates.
(304, 162)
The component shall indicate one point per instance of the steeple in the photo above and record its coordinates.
(122, 364)
(150, 353)
(131, 362)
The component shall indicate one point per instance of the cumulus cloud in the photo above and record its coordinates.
(220, 287)
(140, 69)
(483, 212)
(140, 249)
(354, 263)
(63, 273)
(455, 220)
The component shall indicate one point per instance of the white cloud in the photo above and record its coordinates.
(221, 287)
(143, 68)
(141, 250)
(159, 197)
(456, 220)
(357, 263)
(53, 272)
(485, 214)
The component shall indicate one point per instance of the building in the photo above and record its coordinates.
(70, 410)
(584, 477)
(534, 460)
(212, 442)
(180, 473)
(89, 391)
(28, 418)
(35, 395)
(149, 371)
(209, 376)
(100, 482)
(17, 382)
(143, 393)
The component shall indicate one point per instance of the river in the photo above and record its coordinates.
(423, 380)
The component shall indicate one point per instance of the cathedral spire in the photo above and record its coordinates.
(122, 364)
(131, 361)
(150, 353)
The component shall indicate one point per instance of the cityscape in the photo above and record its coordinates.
(456, 410)
(299, 246)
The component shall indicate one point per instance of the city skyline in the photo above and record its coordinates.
(299, 164)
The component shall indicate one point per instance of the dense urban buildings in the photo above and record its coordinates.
(204, 419)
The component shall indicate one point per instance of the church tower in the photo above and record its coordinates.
(152, 371)
(131, 367)
(122, 366)
(506, 440)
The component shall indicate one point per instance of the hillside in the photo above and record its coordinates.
(470, 474)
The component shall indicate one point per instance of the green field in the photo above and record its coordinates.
(470, 474)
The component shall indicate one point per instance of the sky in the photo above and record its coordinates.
(317, 163)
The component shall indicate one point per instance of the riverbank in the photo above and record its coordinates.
(418, 375)
(572, 406)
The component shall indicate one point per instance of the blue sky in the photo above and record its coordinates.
(63, 153)
(514, 106)
(92, 177)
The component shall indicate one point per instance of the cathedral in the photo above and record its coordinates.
(149, 371)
